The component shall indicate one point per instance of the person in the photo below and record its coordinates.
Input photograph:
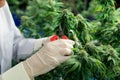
(14, 46)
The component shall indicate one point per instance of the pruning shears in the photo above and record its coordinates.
(60, 35)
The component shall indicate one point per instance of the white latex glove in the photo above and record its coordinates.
(48, 57)
(40, 42)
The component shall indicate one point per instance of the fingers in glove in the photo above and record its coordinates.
(62, 43)
(66, 44)
(66, 51)
(64, 58)
(69, 41)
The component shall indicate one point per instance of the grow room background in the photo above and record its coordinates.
(93, 24)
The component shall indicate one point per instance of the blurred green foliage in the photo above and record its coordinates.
(95, 29)
(18, 6)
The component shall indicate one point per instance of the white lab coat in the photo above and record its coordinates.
(12, 43)
(12, 46)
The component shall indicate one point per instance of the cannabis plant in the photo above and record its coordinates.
(96, 50)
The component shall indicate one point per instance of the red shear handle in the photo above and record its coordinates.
(54, 38)
(64, 37)
(57, 37)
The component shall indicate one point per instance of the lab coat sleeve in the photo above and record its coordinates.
(16, 73)
(22, 47)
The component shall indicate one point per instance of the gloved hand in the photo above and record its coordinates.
(40, 42)
(48, 57)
